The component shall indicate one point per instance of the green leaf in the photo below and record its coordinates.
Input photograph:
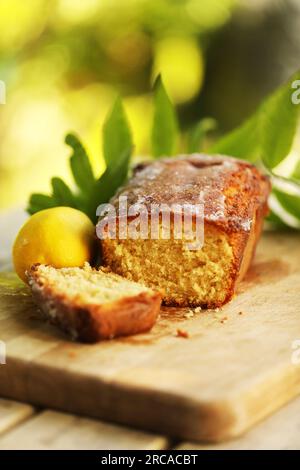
(165, 124)
(116, 134)
(199, 132)
(275, 220)
(38, 202)
(296, 172)
(62, 193)
(278, 121)
(80, 164)
(107, 185)
(269, 133)
(242, 142)
(290, 202)
(117, 149)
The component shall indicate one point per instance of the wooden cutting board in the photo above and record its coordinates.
(234, 369)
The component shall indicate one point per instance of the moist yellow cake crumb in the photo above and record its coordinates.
(91, 304)
(184, 275)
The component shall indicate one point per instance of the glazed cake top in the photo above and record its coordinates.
(231, 189)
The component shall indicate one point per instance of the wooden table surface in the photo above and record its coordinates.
(24, 427)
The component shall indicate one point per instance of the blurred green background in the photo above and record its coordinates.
(63, 61)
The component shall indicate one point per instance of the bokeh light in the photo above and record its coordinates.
(180, 62)
(63, 63)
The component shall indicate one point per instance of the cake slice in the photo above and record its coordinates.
(91, 304)
(234, 196)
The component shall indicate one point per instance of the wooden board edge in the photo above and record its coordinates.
(188, 418)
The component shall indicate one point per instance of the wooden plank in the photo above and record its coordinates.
(278, 432)
(13, 413)
(52, 430)
(232, 371)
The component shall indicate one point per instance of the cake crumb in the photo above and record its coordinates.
(182, 334)
(72, 354)
(188, 314)
(241, 313)
(224, 319)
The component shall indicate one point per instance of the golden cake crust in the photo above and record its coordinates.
(232, 189)
(234, 193)
(92, 323)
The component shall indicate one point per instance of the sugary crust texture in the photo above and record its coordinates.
(232, 190)
(92, 323)
(234, 193)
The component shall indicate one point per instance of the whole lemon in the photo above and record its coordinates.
(60, 236)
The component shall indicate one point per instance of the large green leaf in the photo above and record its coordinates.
(199, 132)
(242, 142)
(278, 123)
(296, 172)
(107, 185)
(269, 133)
(165, 124)
(290, 202)
(38, 202)
(80, 164)
(62, 193)
(275, 220)
(116, 134)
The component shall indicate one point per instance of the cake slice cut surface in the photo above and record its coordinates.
(91, 304)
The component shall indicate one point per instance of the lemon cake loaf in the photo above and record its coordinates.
(234, 196)
(91, 304)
